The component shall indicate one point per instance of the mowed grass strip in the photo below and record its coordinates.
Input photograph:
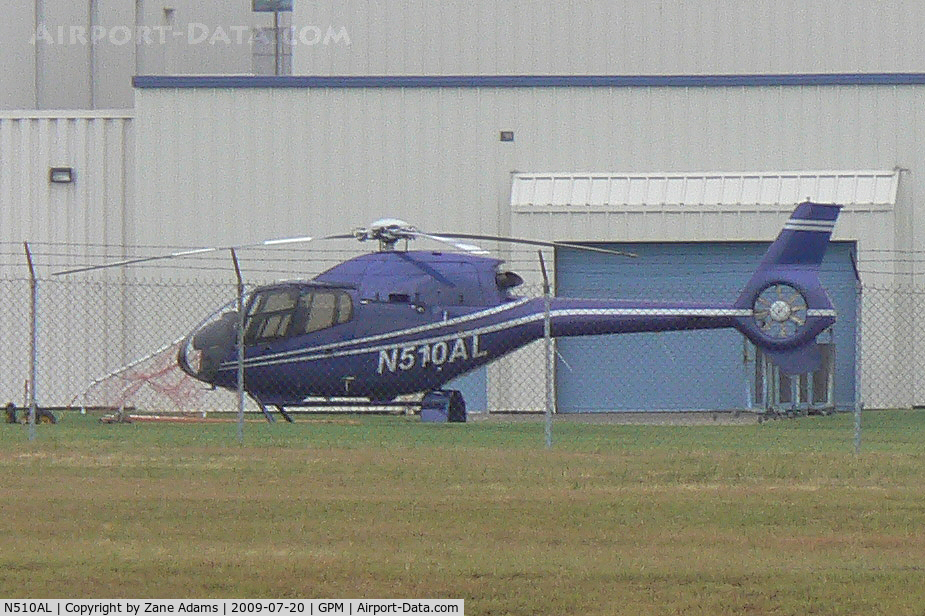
(774, 519)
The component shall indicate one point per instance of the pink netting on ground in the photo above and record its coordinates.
(152, 384)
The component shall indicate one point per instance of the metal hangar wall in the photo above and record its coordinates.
(604, 37)
(236, 159)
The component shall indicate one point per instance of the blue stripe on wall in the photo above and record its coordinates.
(530, 81)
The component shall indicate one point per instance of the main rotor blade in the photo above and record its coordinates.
(186, 253)
(173, 255)
(340, 236)
(470, 248)
(279, 242)
(518, 240)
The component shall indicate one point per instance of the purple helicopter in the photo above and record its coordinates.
(398, 322)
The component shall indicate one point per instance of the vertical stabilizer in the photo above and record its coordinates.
(788, 304)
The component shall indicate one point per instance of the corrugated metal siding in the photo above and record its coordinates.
(519, 37)
(285, 159)
(87, 213)
(257, 164)
(17, 79)
(90, 210)
(50, 63)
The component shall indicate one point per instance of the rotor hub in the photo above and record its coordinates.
(387, 231)
(780, 311)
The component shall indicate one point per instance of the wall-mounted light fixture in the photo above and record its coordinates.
(61, 175)
(507, 135)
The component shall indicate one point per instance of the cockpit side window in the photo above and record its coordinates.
(270, 315)
(281, 313)
(322, 309)
(344, 308)
(322, 313)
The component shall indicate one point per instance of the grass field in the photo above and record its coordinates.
(780, 518)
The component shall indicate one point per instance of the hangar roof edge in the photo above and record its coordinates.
(527, 81)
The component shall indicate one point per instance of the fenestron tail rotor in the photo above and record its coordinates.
(780, 311)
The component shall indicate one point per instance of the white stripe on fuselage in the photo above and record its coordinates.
(313, 353)
(406, 332)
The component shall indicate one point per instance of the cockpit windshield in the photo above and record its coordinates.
(284, 312)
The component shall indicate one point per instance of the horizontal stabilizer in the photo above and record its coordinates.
(803, 359)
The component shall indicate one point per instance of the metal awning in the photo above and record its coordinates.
(571, 192)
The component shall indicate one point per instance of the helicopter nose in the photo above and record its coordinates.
(202, 353)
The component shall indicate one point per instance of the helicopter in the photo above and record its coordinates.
(396, 322)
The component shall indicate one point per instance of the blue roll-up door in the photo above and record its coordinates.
(699, 370)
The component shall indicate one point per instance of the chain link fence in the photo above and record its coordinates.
(116, 345)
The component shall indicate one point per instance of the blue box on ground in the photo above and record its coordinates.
(434, 415)
(443, 406)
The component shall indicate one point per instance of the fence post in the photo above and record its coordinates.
(547, 338)
(33, 339)
(858, 366)
(237, 271)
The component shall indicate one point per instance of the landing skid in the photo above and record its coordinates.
(282, 411)
(287, 414)
(447, 403)
(266, 413)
